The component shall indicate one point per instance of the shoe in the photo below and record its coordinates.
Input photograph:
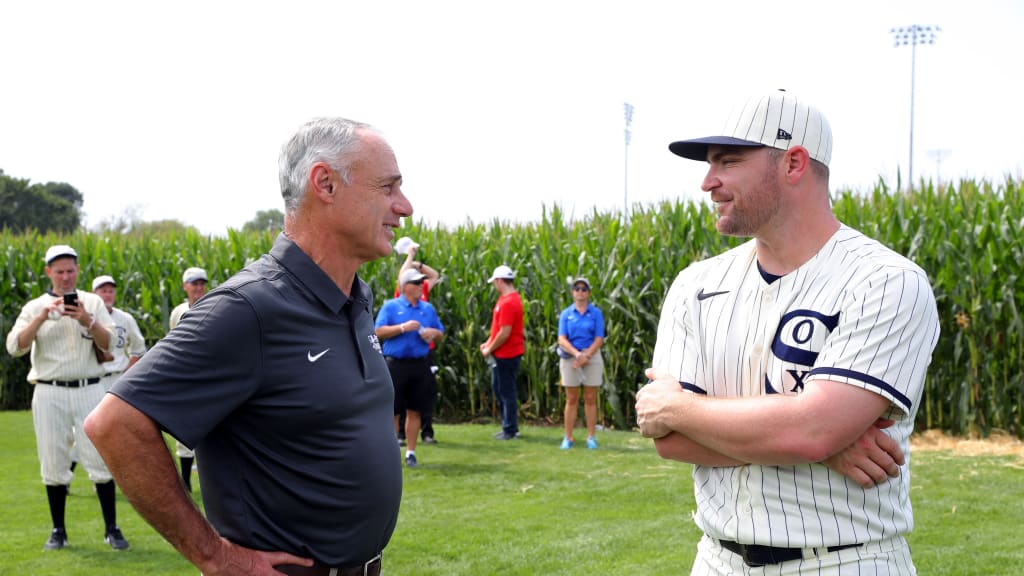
(503, 436)
(401, 441)
(566, 444)
(410, 461)
(591, 443)
(58, 539)
(429, 440)
(115, 538)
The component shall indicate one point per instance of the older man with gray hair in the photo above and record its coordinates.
(277, 379)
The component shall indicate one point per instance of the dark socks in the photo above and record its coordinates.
(57, 496)
(105, 492)
(186, 472)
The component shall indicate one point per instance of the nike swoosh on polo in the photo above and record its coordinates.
(702, 295)
(313, 358)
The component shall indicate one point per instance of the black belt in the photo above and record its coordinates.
(108, 374)
(755, 555)
(369, 568)
(70, 383)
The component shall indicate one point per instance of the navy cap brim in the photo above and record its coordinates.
(697, 149)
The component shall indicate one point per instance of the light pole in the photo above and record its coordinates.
(913, 35)
(939, 156)
(628, 108)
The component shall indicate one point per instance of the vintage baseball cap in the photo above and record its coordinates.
(777, 120)
(405, 244)
(58, 251)
(503, 272)
(101, 280)
(193, 274)
(410, 275)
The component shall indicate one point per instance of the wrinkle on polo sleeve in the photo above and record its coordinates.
(201, 371)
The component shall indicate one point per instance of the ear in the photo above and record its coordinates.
(796, 162)
(322, 182)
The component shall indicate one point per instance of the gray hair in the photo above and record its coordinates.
(330, 140)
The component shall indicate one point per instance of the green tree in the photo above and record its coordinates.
(265, 221)
(54, 206)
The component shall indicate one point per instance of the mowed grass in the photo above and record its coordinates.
(479, 506)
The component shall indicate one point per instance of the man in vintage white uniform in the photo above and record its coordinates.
(62, 329)
(786, 368)
(194, 282)
(127, 344)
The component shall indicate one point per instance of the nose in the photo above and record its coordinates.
(711, 181)
(402, 205)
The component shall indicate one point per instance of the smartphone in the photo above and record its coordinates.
(71, 299)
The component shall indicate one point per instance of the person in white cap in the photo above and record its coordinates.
(127, 343)
(63, 328)
(790, 369)
(504, 349)
(406, 246)
(408, 326)
(193, 282)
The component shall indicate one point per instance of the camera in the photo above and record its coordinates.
(71, 299)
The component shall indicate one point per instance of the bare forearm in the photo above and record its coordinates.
(134, 451)
(675, 446)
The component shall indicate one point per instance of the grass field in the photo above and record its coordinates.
(477, 506)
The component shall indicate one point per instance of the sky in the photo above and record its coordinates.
(495, 110)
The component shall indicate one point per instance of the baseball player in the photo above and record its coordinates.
(780, 363)
(61, 329)
(193, 282)
(127, 343)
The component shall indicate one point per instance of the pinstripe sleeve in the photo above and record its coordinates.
(885, 337)
(677, 350)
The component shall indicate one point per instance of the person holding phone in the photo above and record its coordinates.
(63, 329)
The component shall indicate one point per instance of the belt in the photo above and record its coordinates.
(108, 374)
(70, 383)
(755, 555)
(369, 568)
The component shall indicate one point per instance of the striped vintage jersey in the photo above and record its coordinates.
(856, 313)
(125, 340)
(62, 349)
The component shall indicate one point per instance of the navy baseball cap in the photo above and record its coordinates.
(777, 120)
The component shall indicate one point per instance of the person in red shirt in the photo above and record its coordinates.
(504, 349)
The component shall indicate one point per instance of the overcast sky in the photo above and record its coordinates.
(178, 109)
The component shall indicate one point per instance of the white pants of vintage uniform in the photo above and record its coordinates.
(891, 556)
(58, 414)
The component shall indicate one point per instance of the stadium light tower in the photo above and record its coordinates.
(913, 35)
(628, 108)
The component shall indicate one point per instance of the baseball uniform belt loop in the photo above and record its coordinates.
(369, 568)
(755, 555)
(70, 383)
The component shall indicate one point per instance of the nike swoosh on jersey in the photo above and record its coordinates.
(313, 358)
(702, 295)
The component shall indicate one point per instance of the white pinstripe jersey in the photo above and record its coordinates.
(62, 349)
(125, 340)
(856, 313)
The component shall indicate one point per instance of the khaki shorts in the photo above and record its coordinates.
(591, 374)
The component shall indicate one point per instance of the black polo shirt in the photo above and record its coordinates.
(277, 379)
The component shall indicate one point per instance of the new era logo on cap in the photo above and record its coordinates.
(778, 120)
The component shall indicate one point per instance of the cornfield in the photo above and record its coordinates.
(967, 237)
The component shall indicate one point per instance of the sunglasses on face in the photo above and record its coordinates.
(580, 289)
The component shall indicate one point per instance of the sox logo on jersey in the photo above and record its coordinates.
(857, 313)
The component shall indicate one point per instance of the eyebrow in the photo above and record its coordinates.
(732, 150)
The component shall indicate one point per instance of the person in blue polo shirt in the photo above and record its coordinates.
(580, 337)
(407, 325)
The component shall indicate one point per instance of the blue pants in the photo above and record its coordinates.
(503, 382)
